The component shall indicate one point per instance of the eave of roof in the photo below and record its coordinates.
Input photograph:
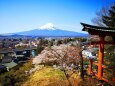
(87, 26)
(96, 30)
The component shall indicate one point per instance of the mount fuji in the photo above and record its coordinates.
(50, 30)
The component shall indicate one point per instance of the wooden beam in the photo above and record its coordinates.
(90, 66)
(96, 32)
(95, 63)
(98, 42)
(101, 56)
(106, 67)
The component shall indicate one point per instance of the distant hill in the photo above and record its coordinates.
(49, 30)
(56, 32)
(2, 36)
(11, 36)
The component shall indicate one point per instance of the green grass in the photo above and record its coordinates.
(47, 76)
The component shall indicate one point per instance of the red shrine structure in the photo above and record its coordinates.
(101, 32)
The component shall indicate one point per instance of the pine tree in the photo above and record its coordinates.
(105, 17)
(109, 19)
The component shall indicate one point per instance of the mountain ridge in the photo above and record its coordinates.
(47, 32)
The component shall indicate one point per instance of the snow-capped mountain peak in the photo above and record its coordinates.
(48, 26)
(49, 30)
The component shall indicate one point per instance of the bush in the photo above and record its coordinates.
(47, 76)
(15, 76)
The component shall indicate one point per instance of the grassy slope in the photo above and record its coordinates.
(15, 76)
(47, 76)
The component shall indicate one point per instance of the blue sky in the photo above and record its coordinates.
(23, 15)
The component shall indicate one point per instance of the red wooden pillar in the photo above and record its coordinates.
(100, 58)
(90, 66)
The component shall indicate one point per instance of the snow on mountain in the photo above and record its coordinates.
(48, 26)
(50, 30)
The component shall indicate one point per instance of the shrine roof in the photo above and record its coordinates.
(96, 30)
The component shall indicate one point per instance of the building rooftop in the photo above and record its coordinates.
(10, 65)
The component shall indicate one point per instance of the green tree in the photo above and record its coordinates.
(105, 17)
(50, 43)
(109, 19)
(39, 49)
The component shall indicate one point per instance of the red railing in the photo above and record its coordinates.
(96, 74)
